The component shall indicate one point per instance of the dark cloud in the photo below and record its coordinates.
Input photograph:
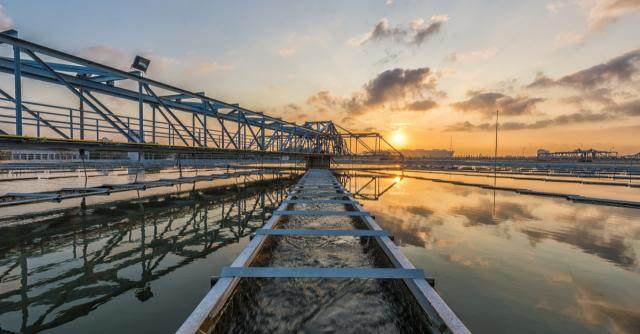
(620, 69)
(629, 108)
(614, 112)
(393, 90)
(574, 118)
(417, 33)
(382, 31)
(397, 83)
(467, 126)
(600, 96)
(487, 103)
(422, 105)
(423, 34)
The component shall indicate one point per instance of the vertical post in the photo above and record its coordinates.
(193, 128)
(129, 125)
(153, 124)
(206, 132)
(37, 123)
(262, 135)
(140, 113)
(81, 109)
(97, 129)
(18, 88)
(222, 133)
(71, 123)
(239, 141)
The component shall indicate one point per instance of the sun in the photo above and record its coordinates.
(398, 139)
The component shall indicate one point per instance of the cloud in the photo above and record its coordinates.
(381, 31)
(606, 12)
(567, 119)
(423, 33)
(472, 55)
(487, 103)
(323, 98)
(394, 90)
(628, 108)
(619, 69)
(397, 84)
(286, 52)
(422, 105)
(6, 22)
(417, 33)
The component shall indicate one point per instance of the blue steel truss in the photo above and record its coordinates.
(175, 118)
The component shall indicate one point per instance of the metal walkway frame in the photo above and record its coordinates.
(442, 318)
(161, 116)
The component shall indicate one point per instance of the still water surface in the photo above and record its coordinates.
(509, 263)
(504, 262)
(124, 268)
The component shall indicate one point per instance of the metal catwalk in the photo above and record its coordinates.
(316, 188)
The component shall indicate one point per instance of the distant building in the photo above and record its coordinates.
(576, 155)
(431, 153)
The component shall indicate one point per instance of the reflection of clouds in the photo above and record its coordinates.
(402, 223)
(595, 230)
(561, 278)
(406, 231)
(613, 249)
(466, 261)
(419, 211)
(483, 212)
(595, 309)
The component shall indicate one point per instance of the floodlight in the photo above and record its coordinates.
(141, 64)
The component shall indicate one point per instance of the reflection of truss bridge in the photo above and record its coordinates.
(124, 248)
(367, 186)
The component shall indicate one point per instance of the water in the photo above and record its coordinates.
(504, 262)
(319, 305)
(513, 263)
(123, 268)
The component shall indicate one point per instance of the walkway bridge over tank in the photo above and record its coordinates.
(64, 102)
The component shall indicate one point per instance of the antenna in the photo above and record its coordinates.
(495, 153)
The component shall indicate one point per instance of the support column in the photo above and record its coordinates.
(18, 88)
(153, 124)
(206, 131)
(140, 113)
(81, 109)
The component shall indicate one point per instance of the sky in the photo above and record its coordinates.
(562, 74)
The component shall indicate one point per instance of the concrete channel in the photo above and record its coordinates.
(318, 187)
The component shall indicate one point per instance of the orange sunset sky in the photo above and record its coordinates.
(563, 73)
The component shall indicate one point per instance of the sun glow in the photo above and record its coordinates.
(398, 139)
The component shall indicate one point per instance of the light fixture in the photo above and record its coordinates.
(141, 64)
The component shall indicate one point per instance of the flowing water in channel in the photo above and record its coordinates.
(320, 305)
(504, 262)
